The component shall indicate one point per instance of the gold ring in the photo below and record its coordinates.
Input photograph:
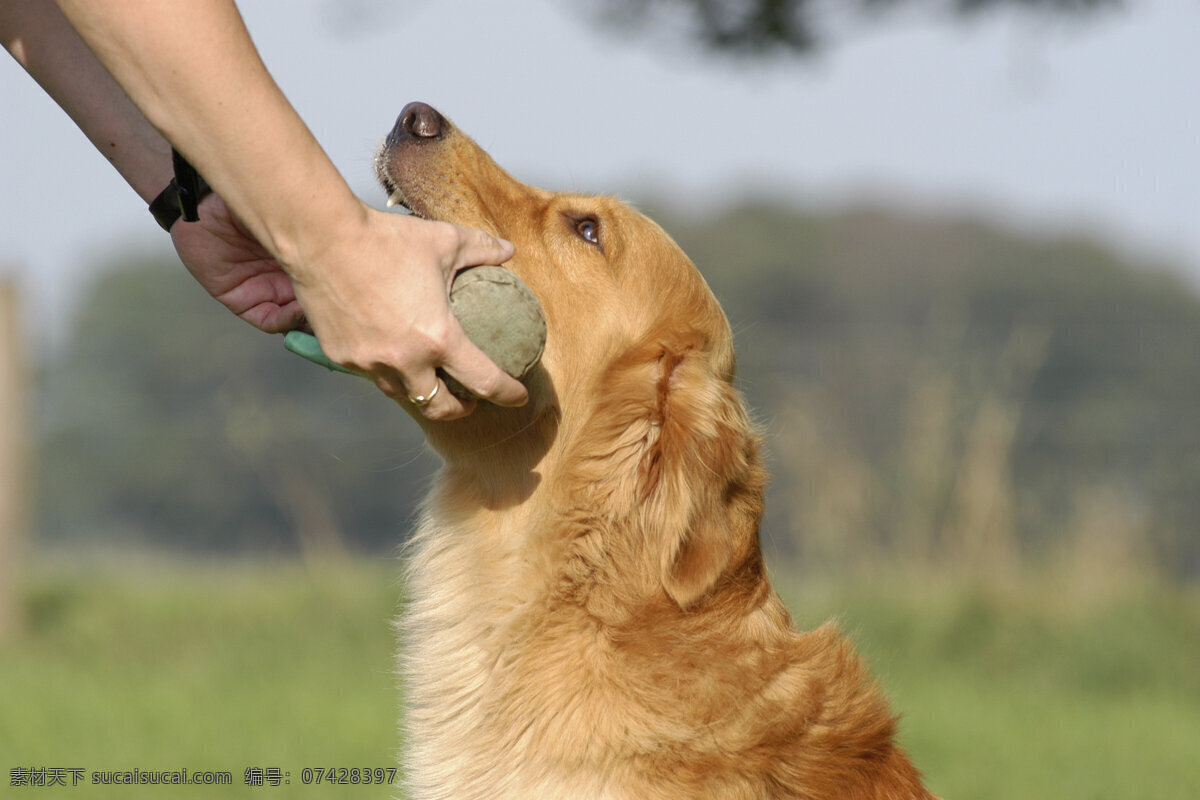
(421, 400)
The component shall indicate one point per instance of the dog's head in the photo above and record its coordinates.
(635, 385)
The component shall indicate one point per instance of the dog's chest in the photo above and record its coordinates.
(498, 690)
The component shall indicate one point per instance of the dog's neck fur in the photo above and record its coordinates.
(533, 672)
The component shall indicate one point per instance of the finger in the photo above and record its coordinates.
(454, 352)
(443, 406)
(389, 382)
(471, 367)
(271, 318)
(436, 403)
(477, 248)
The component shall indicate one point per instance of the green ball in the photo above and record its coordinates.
(501, 316)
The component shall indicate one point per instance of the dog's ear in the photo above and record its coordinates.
(701, 479)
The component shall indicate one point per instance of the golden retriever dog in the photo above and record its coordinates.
(590, 616)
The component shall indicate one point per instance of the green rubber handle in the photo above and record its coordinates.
(306, 345)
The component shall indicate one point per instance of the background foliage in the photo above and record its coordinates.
(759, 29)
(1030, 694)
(933, 390)
(163, 423)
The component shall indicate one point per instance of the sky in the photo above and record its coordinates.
(1043, 125)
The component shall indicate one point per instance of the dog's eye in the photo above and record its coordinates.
(588, 228)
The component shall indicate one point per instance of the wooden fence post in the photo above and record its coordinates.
(15, 445)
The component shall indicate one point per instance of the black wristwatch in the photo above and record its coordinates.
(182, 196)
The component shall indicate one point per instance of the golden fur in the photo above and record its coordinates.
(590, 616)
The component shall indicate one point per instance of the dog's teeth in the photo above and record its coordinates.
(395, 198)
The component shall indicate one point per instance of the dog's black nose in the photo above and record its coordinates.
(418, 121)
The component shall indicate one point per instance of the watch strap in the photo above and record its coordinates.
(181, 198)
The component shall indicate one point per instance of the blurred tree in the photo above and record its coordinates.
(166, 421)
(940, 387)
(759, 28)
(933, 388)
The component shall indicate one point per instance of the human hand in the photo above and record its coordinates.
(236, 270)
(377, 298)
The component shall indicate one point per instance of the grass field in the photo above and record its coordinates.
(1021, 693)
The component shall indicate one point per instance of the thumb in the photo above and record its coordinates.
(477, 248)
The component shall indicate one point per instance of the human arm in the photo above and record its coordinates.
(43, 42)
(218, 251)
(374, 286)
